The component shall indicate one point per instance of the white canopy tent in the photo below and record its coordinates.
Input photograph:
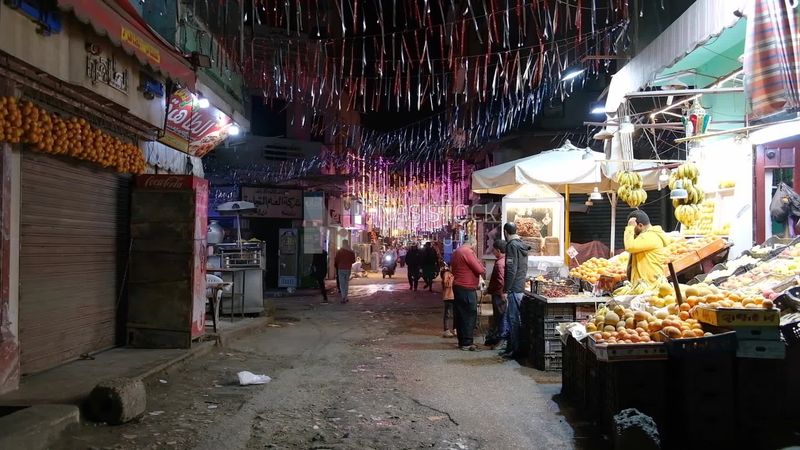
(578, 168)
(568, 170)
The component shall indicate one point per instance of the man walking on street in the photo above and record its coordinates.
(514, 286)
(343, 261)
(499, 333)
(466, 279)
(414, 263)
(319, 269)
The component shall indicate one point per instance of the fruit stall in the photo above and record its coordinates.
(710, 362)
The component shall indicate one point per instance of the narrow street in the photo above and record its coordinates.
(374, 373)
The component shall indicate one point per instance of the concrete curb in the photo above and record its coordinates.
(202, 349)
(37, 427)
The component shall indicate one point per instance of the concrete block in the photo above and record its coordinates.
(37, 427)
(117, 401)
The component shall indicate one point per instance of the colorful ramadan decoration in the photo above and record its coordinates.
(696, 122)
(391, 55)
(419, 198)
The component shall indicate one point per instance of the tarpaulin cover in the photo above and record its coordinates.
(568, 165)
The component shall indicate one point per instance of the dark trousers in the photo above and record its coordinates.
(465, 314)
(500, 323)
(413, 277)
(448, 314)
(321, 283)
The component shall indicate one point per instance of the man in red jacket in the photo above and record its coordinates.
(500, 325)
(466, 280)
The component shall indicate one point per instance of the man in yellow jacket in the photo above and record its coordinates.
(646, 245)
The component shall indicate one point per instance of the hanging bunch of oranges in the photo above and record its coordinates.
(24, 122)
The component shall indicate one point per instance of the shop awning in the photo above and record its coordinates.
(569, 165)
(133, 37)
(701, 22)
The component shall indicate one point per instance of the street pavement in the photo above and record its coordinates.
(373, 373)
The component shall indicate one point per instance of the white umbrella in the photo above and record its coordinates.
(236, 207)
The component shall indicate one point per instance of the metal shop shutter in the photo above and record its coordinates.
(74, 226)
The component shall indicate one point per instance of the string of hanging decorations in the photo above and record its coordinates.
(478, 72)
(418, 198)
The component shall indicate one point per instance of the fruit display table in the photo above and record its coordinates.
(712, 363)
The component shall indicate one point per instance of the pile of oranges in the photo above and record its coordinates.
(24, 122)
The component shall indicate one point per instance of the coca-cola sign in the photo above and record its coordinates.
(167, 182)
(192, 129)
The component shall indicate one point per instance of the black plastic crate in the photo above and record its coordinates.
(580, 371)
(759, 391)
(718, 344)
(635, 384)
(700, 400)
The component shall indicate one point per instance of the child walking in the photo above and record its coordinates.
(449, 301)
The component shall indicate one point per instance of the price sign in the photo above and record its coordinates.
(572, 252)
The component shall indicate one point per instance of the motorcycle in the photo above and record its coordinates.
(389, 265)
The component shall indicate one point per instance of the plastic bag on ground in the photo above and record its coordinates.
(247, 378)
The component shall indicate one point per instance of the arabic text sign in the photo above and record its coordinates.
(135, 41)
(274, 202)
(193, 130)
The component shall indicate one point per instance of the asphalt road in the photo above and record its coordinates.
(374, 373)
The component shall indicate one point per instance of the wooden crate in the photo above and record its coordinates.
(737, 317)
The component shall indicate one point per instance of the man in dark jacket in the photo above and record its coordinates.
(499, 333)
(514, 286)
(319, 269)
(414, 263)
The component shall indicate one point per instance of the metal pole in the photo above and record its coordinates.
(613, 197)
(566, 224)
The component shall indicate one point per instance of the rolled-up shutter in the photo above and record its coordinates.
(74, 223)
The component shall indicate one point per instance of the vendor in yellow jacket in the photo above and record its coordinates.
(647, 247)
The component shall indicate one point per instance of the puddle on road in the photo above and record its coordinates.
(287, 319)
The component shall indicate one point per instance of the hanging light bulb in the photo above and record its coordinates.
(663, 176)
(679, 193)
(626, 126)
(595, 195)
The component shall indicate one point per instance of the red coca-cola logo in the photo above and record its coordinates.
(164, 183)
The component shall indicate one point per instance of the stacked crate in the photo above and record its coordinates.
(701, 390)
(542, 318)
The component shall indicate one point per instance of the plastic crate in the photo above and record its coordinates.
(759, 390)
(635, 384)
(580, 394)
(552, 363)
(791, 298)
(553, 346)
(723, 343)
(791, 333)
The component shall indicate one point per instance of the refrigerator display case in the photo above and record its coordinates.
(167, 281)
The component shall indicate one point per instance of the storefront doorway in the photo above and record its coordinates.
(776, 163)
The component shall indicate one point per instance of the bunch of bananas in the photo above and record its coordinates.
(687, 210)
(630, 189)
(638, 288)
(687, 214)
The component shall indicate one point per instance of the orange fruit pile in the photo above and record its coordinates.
(24, 122)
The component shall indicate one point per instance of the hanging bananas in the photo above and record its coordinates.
(630, 189)
(687, 214)
(687, 210)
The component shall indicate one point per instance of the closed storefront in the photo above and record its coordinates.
(74, 221)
